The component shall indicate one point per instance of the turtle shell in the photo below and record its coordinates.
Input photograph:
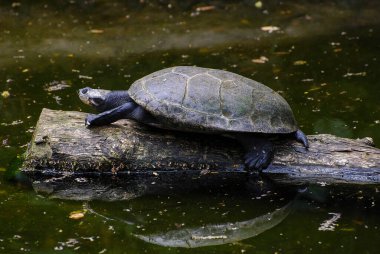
(191, 98)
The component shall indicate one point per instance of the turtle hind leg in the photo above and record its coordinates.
(259, 151)
(301, 138)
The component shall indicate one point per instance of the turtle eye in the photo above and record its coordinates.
(96, 101)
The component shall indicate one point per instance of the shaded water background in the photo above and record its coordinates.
(324, 60)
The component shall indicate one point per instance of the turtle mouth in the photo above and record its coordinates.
(84, 95)
(85, 100)
(87, 95)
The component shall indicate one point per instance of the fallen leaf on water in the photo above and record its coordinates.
(5, 94)
(330, 224)
(260, 60)
(96, 31)
(77, 215)
(56, 86)
(16, 122)
(299, 62)
(84, 77)
(25, 70)
(349, 74)
(259, 4)
(205, 8)
(270, 29)
(280, 53)
(314, 88)
(2, 169)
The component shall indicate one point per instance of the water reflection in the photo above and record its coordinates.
(217, 234)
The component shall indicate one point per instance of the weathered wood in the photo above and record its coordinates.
(62, 145)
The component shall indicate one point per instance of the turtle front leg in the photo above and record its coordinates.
(259, 151)
(122, 112)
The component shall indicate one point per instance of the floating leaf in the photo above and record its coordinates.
(270, 29)
(280, 53)
(260, 60)
(84, 77)
(206, 8)
(96, 31)
(16, 4)
(349, 74)
(259, 4)
(56, 86)
(314, 88)
(16, 122)
(77, 215)
(5, 94)
(299, 62)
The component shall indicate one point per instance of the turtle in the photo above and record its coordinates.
(202, 100)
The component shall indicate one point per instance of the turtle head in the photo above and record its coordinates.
(103, 100)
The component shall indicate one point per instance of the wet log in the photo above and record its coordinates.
(62, 147)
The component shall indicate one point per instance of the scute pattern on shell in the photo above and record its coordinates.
(207, 100)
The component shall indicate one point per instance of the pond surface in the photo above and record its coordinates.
(322, 56)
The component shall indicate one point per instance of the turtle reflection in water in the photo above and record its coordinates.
(217, 234)
(203, 100)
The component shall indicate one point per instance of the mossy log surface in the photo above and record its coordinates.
(63, 146)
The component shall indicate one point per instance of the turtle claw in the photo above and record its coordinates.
(89, 119)
(259, 155)
(258, 160)
(250, 161)
(263, 161)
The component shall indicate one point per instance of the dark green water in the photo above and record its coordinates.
(324, 59)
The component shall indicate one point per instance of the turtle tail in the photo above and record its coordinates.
(301, 137)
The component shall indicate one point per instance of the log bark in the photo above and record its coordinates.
(62, 146)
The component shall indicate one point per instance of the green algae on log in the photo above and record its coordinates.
(63, 147)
